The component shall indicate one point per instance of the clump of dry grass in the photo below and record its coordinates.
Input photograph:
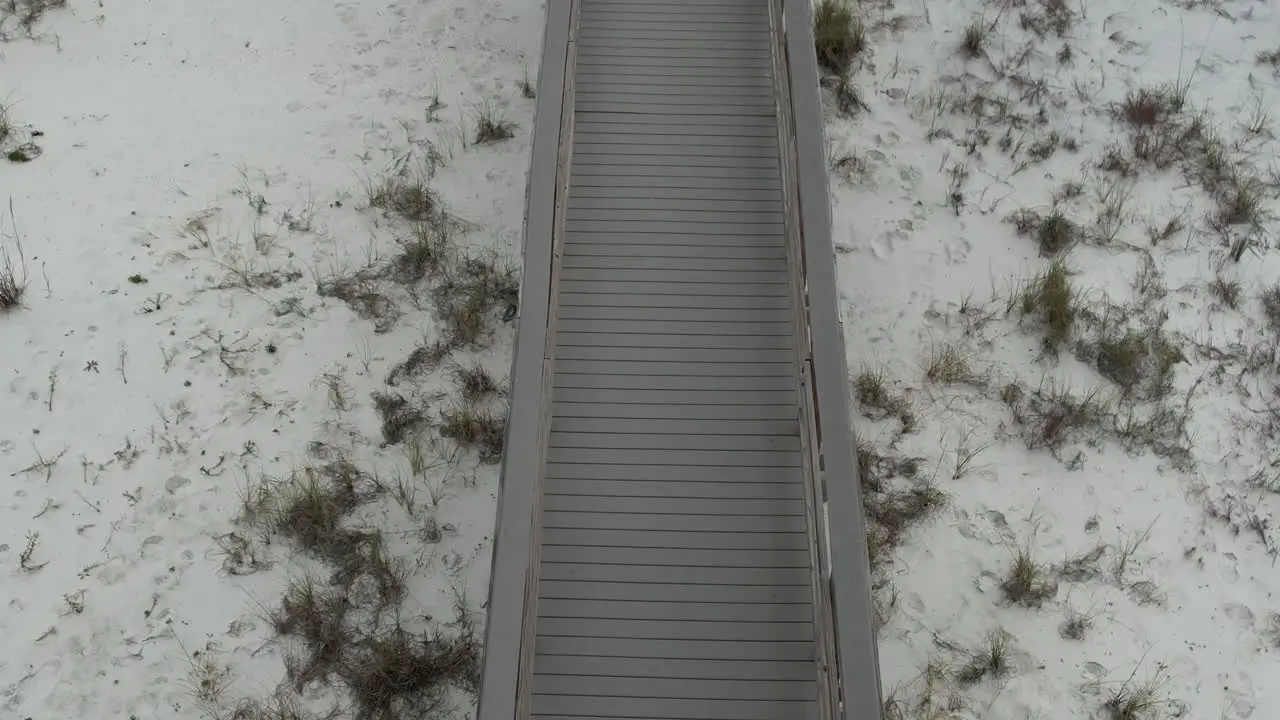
(1240, 201)
(895, 498)
(1150, 107)
(950, 365)
(839, 35)
(992, 660)
(362, 293)
(469, 294)
(13, 266)
(400, 416)
(387, 671)
(1075, 625)
(878, 401)
(1052, 414)
(1047, 16)
(424, 358)
(1027, 582)
(475, 427)
(1226, 291)
(492, 128)
(25, 15)
(474, 382)
(399, 674)
(1141, 361)
(1054, 233)
(406, 195)
(1269, 57)
(1146, 700)
(973, 40)
(1270, 299)
(1049, 299)
(427, 250)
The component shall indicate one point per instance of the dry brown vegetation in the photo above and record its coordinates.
(22, 16)
(346, 616)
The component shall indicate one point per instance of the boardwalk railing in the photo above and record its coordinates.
(847, 648)
(513, 593)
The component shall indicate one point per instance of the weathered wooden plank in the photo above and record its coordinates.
(678, 648)
(669, 441)
(688, 473)
(595, 572)
(701, 328)
(672, 506)
(675, 314)
(674, 592)
(628, 687)
(677, 668)
(677, 630)
(688, 539)
(674, 426)
(720, 381)
(731, 524)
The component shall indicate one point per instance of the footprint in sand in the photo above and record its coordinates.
(1239, 698)
(886, 244)
(956, 250)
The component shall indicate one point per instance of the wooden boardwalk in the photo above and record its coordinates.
(661, 547)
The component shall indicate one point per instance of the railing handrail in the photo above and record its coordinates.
(515, 524)
(857, 667)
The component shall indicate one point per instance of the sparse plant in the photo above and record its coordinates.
(26, 557)
(13, 265)
(1269, 57)
(207, 679)
(1270, 299)
(477, 428)
(25, 14)
(474, 382)
(1050, 298)
(991, 661)
(1126, 551)
(1159, 233)
(966, 453)
(1083, 566)
(423, 359)
(428, 250)
(337, 391)
(316, 613)
(1075, 625)
(407, 195)
(1145, 700)
(492, 127)
(1150, 106)
(1227, 291)
(1239, 202)
(950, 365)
(526, 87)
(467, 297)
(878, 401)
(839, 35)
(360, 291)
(1027, 582)
(974, 39)
(1140, 361)
(1054, 232)
(396, 673)
(399, 415)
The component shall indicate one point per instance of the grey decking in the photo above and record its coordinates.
(675, 569)
(657, 547)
